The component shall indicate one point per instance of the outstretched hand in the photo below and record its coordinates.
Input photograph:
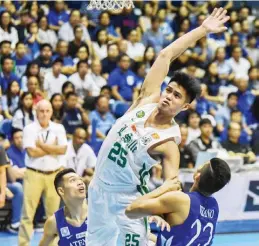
(215, 22)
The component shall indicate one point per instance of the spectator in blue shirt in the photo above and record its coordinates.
(57, 15)
(103, 117)
(123, 81)
(154, 36)
(245, 96)
(21, 59)
(62, 52)
(7, 76)
(74, 115)
(33, 41)
(16, 154)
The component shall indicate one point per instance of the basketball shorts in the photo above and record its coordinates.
(107, 222)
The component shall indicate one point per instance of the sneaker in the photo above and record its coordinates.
(39, 227)
(13, 230)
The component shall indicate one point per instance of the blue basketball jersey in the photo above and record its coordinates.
(70, 235)
(199, 227)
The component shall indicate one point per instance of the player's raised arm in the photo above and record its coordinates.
(156, 75)
(50, 231)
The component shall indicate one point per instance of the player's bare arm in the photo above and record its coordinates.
(150, 90)
(169, 154)
(175, 202)
(50, 231)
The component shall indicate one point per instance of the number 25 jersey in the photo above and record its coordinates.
(123, 162)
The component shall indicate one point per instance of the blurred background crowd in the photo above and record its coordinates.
(91, 65)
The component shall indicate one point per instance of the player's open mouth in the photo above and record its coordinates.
(81, 190)
(165, 103)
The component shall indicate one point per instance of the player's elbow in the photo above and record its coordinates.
(134, 210)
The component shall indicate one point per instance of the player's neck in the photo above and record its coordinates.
(158, 118)
(196, 189)
(76, 209)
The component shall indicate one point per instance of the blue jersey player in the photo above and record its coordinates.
(193, 215)
(70, 222)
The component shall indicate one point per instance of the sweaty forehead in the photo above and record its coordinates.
(176, 87)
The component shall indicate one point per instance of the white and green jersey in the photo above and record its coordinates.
(123, 162)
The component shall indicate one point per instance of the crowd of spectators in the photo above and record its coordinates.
(91, 65)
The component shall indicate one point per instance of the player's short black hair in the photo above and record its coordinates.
(14, 131)
(58, 181)
(190, 84)
(214, 176)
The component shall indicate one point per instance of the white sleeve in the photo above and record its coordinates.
(28, 137)
(62, 138)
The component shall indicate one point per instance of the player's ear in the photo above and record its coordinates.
(60, 191)
(197, 177)
(186, 107)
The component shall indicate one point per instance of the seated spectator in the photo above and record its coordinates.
(239, 65)
(7, 76)
(10, 101)
(245, 96)
(34, 89)
(16, 153)
(75, 44)
(135, 49)
(105, 23)
(140, 71)
(62, 53)
(165, 25)
(194, 131)
(145, 18)
(32, 69)
(149, 57)
(7, 31)
(224, 69)
(67, 87)
(84, 84)
(192, 69)
(5, 50)
(24, 114)
(205, 141)
(252, 50)
(202, 53)
(57, 15)
(100, 45)
(123, 81)
(253, 80)
(46, 35)
(82, 54)
(74, 115)
(58, 107)
(204, 106)
(33, 40)
(66, 31)
(80, 156)
(237, 117)
(21, 59)
(22, 27)
(234, 147)
(95, 76)
(54, 80)
(185, 154)
(45, 59)
(103, 116)
(154, 36)
(234, 42)
(223, 114)
(110, 62)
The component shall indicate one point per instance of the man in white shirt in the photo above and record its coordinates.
(44, 141)
(83, 84)
(80, 156)
(135, 49)
(66, 32)
(96, 77)
(239, 65)
(54, 80)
